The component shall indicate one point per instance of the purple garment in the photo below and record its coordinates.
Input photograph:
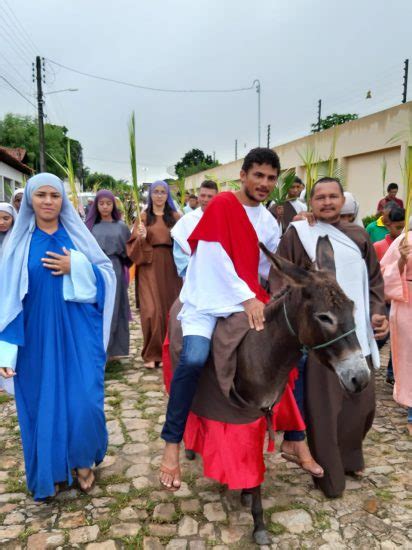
(170, 201)
(93, 215)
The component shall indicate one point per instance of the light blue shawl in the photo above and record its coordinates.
(14, 277)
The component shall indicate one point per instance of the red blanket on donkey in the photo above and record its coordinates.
(233, 453)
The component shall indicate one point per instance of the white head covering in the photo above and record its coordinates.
(14, 277)
(351, 206)
(8, 208)
(18, 191)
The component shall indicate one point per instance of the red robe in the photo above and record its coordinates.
(233, 454)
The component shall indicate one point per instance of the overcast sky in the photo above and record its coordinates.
(300, 50)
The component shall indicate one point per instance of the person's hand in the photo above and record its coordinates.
(254, 311)
(7, 373)
(404, 250)
(308, 216)
(59, 264)
(141, 230)
(380, 326)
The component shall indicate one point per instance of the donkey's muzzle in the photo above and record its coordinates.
(353, 372)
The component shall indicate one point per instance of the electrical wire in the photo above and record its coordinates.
(150, 88)
(33, 46)
(14, 45)
(18, 91)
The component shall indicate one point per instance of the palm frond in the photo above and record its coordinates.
(310, 159)
(68, 169)
(285, 181)
(384, 168)
(133, 164)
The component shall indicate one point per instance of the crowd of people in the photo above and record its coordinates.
(65, 312)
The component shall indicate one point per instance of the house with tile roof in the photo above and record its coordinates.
(13, 170)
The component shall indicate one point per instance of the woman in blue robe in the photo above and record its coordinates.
(54, 327)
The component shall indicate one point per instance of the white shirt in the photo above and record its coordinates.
(212, 287)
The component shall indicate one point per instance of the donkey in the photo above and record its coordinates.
(313, 315)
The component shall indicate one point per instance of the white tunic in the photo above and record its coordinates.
(212, 287)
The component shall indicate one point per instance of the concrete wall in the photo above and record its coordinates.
(360, 147)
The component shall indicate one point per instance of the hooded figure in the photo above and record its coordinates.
(350, 209)
(7, 214)
(16, 199)
(57, 291)
(112, 234)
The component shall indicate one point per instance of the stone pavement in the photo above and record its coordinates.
(127, 510)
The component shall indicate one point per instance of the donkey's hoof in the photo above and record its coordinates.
(246, 499)
(261, 537)
(189, 454)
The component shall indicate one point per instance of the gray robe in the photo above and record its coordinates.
(112, 238)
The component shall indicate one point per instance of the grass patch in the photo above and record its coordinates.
(125, 433)
(113, 480)
(24, 535)
(15, 482)
(114, 371)
(276, 528)
(384, 494)
(5, 398)
(104, 526)
(322, 520)
(133, 543)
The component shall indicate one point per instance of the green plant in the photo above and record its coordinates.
(279, 194)
(310, 159)
(133, 163)
(384, 167)
(69, 172)
(369, 219)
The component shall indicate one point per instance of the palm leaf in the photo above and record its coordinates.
(133, 164)
(279, 194)
(384, 167)
(68, 169)
(310, 160)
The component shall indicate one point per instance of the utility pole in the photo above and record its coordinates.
(40, 102)
(214, 156)
(235, 149)
(258, 91)
(405, 80)
(268, 144)
(319, 113)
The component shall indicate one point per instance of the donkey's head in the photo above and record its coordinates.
(318, 312)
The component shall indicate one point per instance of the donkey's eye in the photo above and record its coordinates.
(326, 318)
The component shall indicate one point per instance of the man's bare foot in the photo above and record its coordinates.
(298, 452)
(409, 428)
(170, 467)
(86, 479)
(149, 364)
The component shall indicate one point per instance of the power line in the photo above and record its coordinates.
(125, 162)
(22, 29)
(18, 91)
(13, 44)
(150, 88)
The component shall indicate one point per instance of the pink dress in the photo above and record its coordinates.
(398, 289)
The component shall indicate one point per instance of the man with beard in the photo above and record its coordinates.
(336, 421)
(222, 278)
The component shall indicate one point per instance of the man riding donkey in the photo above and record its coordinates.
(222, 279)
(337, 421)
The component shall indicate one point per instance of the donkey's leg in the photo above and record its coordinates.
(260, 534)
(246, 498)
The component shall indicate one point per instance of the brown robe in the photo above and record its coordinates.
(158, 284)
(337, 421)
(288, 214)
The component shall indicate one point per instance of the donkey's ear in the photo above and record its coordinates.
(286, 272)
(325, 255)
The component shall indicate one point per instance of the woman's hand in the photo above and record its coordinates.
(59, 264)
(7, 373)
(141, 230)
(404, 250)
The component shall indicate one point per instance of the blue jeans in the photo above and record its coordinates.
(193, 357)
(298, 392)
(409, 415)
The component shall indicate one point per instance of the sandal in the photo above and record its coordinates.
(174, 472)
(304, 464)
(84, 479)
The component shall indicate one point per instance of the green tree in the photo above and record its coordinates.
(22, 131)
(333, 120)
(194, 161)
(97, 180)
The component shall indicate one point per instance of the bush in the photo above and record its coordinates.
(369, 219)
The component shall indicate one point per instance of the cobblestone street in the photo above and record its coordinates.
(126, 509)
